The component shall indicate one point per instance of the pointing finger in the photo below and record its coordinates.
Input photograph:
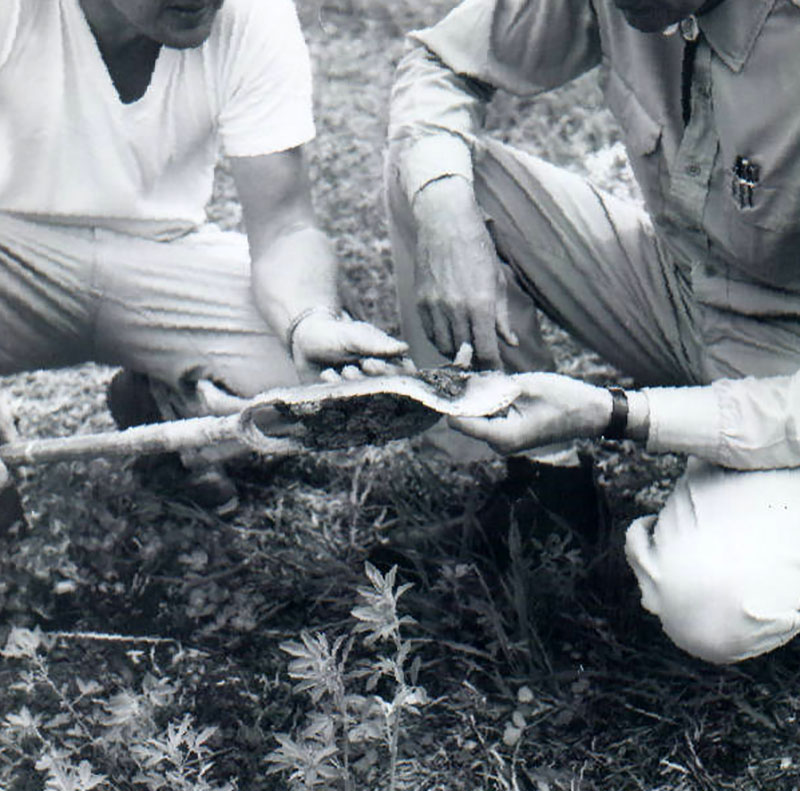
(442, 335)
(484, 337)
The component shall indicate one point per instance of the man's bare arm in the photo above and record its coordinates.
(293, 263)
(294, 267)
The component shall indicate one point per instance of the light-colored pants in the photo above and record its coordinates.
(720, 565)
(179, 310)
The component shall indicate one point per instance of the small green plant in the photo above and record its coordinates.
(178, 758)
(99, 738)
(319, 755)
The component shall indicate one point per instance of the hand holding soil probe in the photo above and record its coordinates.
(371, 410)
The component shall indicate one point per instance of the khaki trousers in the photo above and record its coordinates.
(179, 311)
(720, 565)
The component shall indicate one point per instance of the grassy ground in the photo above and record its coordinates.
(540, 670)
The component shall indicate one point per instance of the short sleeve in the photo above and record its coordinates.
(267, 93)
(9, 22)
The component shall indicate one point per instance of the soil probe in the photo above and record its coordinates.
(284, 421)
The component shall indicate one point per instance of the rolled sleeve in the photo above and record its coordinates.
(684, 420)
(435, 113)
(433, 158)
(744, 424)
(451, 70)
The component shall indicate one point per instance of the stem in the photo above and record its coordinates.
(44, 675)
(41, 668)
(394, 737)
(342, 706)
(394, 724)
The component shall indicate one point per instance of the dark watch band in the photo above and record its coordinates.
(618, 421)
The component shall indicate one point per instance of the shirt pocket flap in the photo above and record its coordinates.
(642, 131)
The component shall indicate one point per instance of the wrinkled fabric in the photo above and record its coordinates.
(743, 106)
(720, 565)
(732, 242)
(69, 295)
(73, 152)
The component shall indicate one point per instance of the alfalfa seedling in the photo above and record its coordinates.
(318, 756)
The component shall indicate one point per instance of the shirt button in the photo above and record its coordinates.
(693, 169)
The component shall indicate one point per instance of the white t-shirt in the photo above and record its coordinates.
(72, 151)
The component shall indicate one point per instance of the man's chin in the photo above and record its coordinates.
(187, 28)
(648, 23)
(185, 41)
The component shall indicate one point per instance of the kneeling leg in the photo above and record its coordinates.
(720, 565)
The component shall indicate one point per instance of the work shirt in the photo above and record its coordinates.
(72, 152)
(719, 166)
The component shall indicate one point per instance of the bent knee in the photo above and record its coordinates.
(714, 600)
(707, 615)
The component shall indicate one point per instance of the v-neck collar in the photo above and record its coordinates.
(94, 44)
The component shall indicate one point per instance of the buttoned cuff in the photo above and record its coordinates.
(684, 420)
(431, 158)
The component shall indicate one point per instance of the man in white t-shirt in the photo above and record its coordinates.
(112, 117)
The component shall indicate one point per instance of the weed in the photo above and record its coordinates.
(99, 738)
(319, 755)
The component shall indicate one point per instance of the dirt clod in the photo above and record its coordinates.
(448, 382)
(361, 420)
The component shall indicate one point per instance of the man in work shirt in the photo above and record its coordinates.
(698, 296)
(112, 116)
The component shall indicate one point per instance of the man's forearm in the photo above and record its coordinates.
(295, 274)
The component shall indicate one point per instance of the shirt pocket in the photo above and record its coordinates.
(642, 135)
(774, 208)
(763, 231)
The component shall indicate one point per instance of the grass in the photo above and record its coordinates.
(542, 672)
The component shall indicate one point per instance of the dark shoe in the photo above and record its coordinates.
(561, 496)
(208, 487)
(544, 500)
(544, 508)
(131, 403)
(213, 489)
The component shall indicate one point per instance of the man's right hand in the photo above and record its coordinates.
(460, 285)
(322, 340)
